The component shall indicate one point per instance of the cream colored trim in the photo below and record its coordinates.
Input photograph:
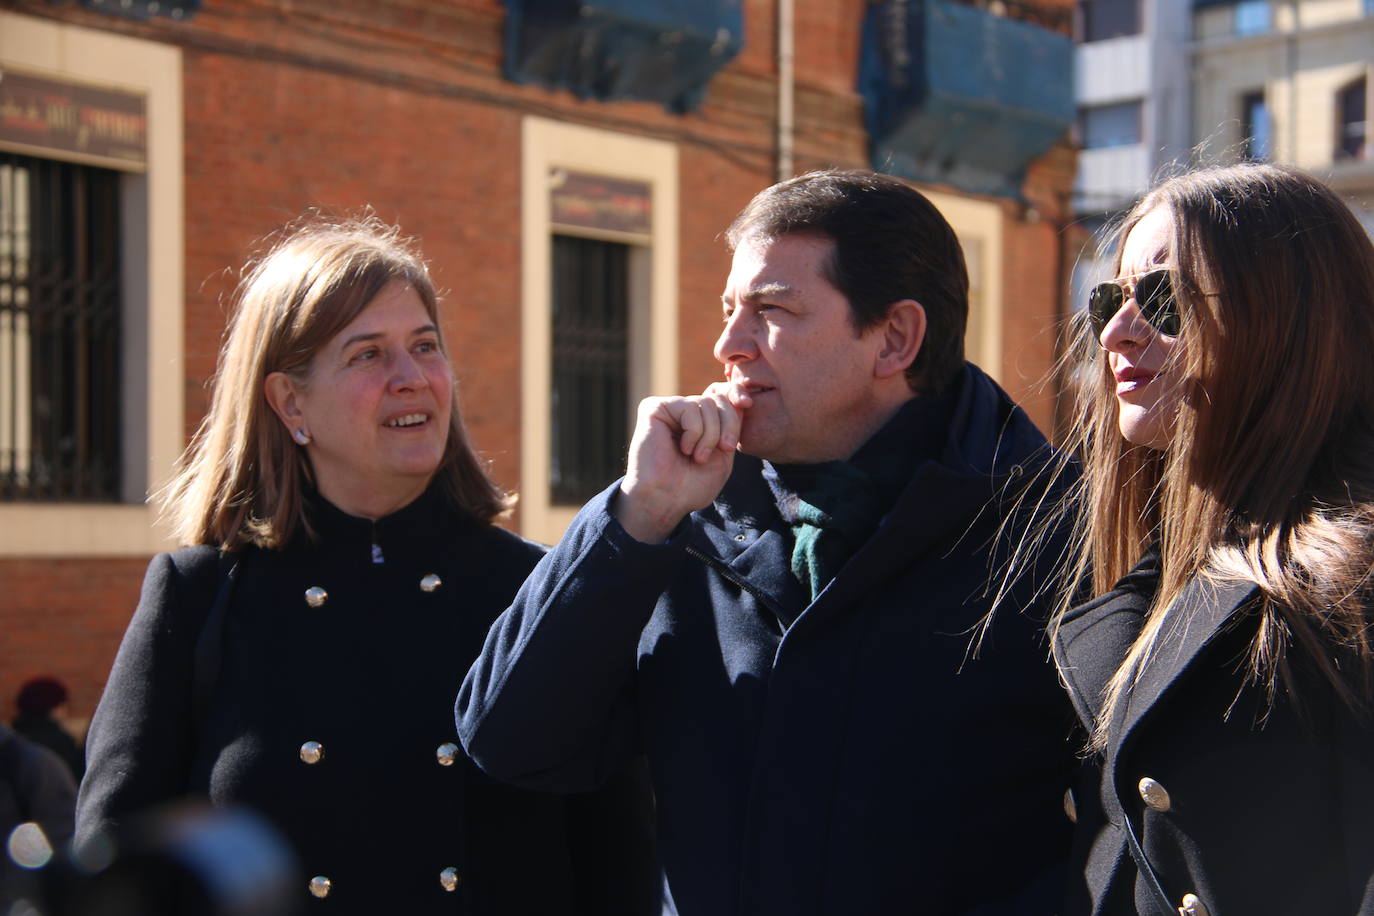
(104, 162)
(981, 221)
(547, 144)
(72, 52)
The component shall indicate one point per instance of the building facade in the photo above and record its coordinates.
(1164, 85)
(1132, 87)
(1288, 81)
(145, 153)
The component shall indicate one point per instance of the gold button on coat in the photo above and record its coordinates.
(1193, 907)
(449, 878)
(320, 886)
(316, 596)
(1070, 806)
(1155, 795)
(430, 582)
(312, 752)
(446, 754)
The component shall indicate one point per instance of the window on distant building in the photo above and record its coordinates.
(1256, 127)
(1252, 17)
(590, 398)
(60, 334)
(1352, 124)
(1102, 19)
(1103, 126)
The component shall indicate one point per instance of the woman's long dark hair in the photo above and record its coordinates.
(1269, 474)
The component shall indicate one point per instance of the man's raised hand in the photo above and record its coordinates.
(680, 456)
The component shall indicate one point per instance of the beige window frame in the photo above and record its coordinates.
(978, 223)
(546, 146)
(152, 205)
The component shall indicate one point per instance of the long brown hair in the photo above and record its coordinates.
(241, 480)
(1269, 473)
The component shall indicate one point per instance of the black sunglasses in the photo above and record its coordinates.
(1154, 296)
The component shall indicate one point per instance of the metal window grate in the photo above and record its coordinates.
(60, 334)
(590, 397)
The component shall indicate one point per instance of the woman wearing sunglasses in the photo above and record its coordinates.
(1227, 520)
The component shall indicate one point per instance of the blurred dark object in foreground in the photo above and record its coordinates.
(183, 860)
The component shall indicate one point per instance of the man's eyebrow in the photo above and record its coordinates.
(765, 291)
(378, 335)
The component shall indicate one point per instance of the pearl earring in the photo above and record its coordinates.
(301, 436)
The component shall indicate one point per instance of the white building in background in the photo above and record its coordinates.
(1163, 83)
(1131, 85)
(1132, 90)
(1288, 81)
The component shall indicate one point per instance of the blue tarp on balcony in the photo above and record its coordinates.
(663, 51)
(956, 95)
(142, 9)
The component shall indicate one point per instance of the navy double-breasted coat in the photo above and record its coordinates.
(331, 714)
(1207, 801)
(859, 761)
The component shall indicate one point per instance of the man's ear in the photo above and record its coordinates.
(903, 330)
(280, 392)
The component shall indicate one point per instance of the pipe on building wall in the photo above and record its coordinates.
(786, 88)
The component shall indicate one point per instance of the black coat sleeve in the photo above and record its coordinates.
(549, 704)
(142, 738)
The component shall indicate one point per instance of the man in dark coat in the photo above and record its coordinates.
(795, 634)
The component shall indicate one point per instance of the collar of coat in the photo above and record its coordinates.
(990, 453)
(416, 527)
(1094, 638)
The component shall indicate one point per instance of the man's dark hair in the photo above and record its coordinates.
(890, 244)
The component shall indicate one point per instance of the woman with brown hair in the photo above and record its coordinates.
(302, 655)
(1224, 670)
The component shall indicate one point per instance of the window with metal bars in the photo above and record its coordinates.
(60, 334)
(591, 350)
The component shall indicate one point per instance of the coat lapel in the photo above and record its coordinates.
(1203, 609)
(938, 508)
(743, 532)
(1091, 643)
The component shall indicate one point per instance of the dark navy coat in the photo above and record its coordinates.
(859, 763)
(387, 801)
(1207, 801)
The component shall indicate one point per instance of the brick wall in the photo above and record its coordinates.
(63, 618)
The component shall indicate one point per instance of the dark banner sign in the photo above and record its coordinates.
(585, 201)
(72, 121)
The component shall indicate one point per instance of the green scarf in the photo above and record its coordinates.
(834, 507)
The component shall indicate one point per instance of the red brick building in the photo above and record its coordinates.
(220, 121)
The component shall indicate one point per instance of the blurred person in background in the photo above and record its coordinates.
(1224, 672)
(37, 800)
(42, 702)
(301, 655)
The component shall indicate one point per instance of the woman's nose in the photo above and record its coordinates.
(406, 373)
(1125, 329)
